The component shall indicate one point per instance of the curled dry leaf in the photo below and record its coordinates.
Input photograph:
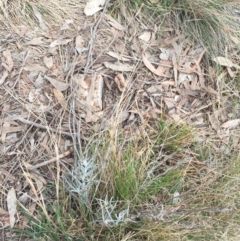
(93, 6)
(8, 65)
(121, 83)
(61, 86)
(12, 206)
(152, 69)
(119, 67)
(231, 123)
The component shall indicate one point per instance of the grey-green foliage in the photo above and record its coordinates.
(81, 180)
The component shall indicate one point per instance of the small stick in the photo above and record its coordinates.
(42, 126)
(50, 161)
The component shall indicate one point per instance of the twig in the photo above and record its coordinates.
(50, 161)
(28, 122)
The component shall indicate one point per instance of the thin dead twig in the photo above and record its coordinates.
(50, 161)
(28, 122)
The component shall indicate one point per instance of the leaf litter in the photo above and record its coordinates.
(39, 82)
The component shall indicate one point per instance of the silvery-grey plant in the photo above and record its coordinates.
(81, 179)
(109, 216)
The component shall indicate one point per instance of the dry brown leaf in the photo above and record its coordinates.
(60, 97)
(117, 56)
(121, 82)
(151, 68)
(57, 84)
(210, 90)
(114, 23)
(169, 103)
(225, 62)
(214, 122)
(231, 123)
(48, 61)
(35, 41)
(93, 6)
(119, 67)
(8, 65)
(168, 82)
(12, 206)
(60, 41)
(4, 76)
(35, 67)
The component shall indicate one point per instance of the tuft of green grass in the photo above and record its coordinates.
(109, 192)
(146, 188)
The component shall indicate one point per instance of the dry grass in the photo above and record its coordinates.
(46, 14)
(149, 179)
(212, 23)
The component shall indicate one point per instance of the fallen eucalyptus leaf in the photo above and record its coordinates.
(12, 206)
(231, 123)
(57, 84)
(93, 6)
(119, 67)
(225, 62)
